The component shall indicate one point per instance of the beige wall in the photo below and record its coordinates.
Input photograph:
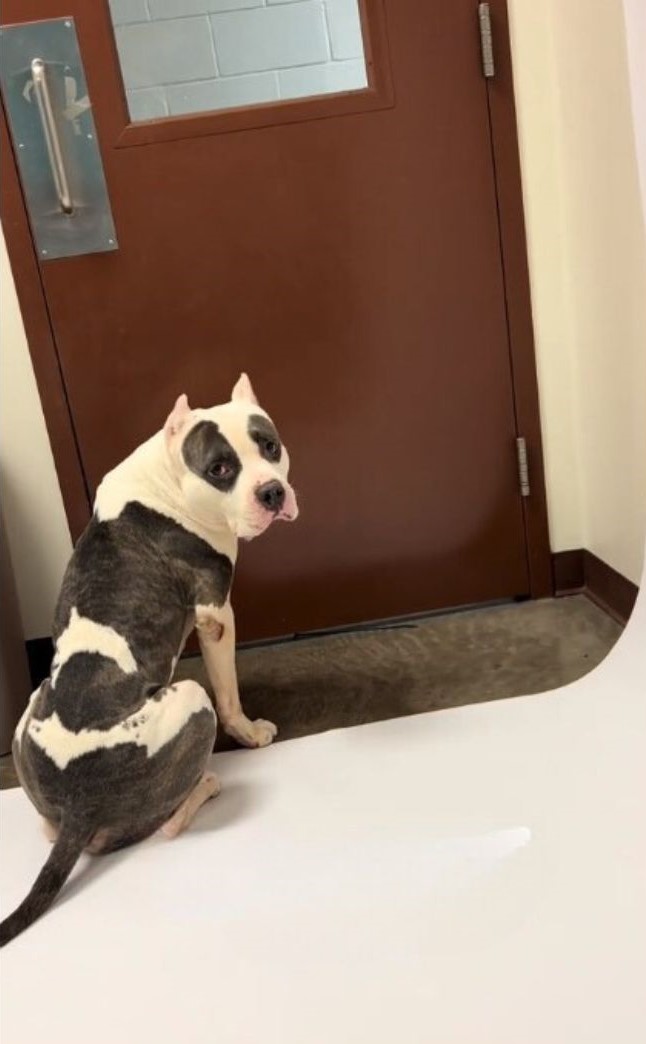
(635, 17)
(606, 260)
(536, 90)
(588, 273)
(37, 531)
(587, 253)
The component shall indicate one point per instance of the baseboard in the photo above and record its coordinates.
(40, 652)
(581, 571)
(609, 589)
(568, 570)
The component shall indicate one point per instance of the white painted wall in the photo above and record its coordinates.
(37, 531)
(587, 254)
(588, 273)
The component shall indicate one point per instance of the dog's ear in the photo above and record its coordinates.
(243, 392)
(177, 418)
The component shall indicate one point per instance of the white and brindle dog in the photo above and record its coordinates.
(109, 750)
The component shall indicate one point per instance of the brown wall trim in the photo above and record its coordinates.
(40, 653)
(608, 588)
(568, 568)
(580, 570)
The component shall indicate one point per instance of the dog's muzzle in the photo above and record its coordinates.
(278, 500)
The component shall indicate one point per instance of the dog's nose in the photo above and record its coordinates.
(271, 495)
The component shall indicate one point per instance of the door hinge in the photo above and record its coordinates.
(523, 467)
(486, 41)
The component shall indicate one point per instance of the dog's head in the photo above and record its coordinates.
(230, 463)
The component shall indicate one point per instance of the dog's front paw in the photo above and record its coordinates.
(263, 732)
(257, 733)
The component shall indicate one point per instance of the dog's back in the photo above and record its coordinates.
(84, 747)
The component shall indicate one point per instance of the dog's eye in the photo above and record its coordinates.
(221, 470)
(271, 449)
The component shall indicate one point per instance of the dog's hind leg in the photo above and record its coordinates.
(207, 787)
(174, 733)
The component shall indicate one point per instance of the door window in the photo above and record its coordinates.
(187, 56)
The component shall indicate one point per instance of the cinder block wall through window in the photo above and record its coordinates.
(182, 56)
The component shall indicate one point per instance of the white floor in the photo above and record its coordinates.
(471, 876)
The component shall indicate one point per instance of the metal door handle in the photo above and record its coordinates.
(50, 133)
(55, 139)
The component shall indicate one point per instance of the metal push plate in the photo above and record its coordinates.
(50, 116)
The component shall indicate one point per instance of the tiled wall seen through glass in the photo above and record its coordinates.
(185, 56)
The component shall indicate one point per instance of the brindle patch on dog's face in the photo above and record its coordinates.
(267, 439)
(227, 456)
(208, 454)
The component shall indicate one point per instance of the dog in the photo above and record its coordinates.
(109, 749)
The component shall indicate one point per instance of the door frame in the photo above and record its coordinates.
(513, 248)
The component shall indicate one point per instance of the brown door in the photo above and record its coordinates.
(345, 251)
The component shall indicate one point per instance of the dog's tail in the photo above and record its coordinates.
(69, 844)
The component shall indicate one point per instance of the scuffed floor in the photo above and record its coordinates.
(322, 683)
(316, 684)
